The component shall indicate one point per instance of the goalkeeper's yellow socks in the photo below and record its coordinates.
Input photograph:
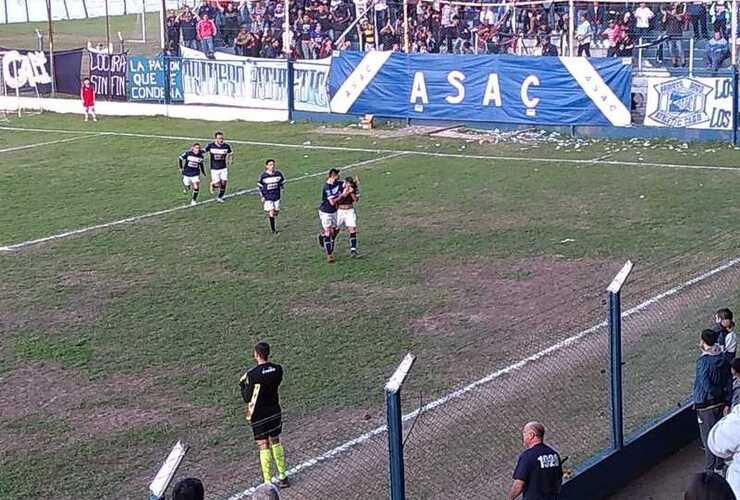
(279, 455)
(266, 463)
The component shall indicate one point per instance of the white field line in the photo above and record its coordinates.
(462, 391)
(127, 220)
(49, 143)
(603, 157)
(408, 152)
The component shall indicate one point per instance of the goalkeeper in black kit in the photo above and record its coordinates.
(259, 388)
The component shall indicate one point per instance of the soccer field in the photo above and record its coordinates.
(127, 317)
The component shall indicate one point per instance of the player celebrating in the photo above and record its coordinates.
(191, 166)
(330, 193)
(221, 159)
(270, 185)
(346, 215)
(259, 388)
(87, 94)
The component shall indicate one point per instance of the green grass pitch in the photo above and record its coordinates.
(118, 341)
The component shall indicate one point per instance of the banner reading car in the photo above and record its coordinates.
(25, 70)
(689, 103)
(510, 89)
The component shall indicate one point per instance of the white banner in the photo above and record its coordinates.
(689, 103)
(248, 82)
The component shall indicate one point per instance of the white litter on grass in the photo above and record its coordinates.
(642, 196)
(567, 240)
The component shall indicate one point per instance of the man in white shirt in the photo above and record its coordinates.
(724, 442)
(643, 17)
(584, 33)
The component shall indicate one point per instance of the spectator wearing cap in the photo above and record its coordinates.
(724, 442)
(712, 391)
(708, 486)
(188, 489)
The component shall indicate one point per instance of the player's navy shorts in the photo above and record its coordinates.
(270, 426)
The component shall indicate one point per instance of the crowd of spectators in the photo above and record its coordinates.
(257, 28)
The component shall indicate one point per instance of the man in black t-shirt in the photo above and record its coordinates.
(221, 158)
(539, 470)
(259, 388)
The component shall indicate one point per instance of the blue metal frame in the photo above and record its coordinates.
(395, 444)
(615, 370)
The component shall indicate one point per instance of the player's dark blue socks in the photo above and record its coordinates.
(222, 192)
(272, 223)
(329, 244)
(353, 241)
(195, 194)
(321, 240)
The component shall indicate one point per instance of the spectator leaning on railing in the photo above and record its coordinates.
(712, 391)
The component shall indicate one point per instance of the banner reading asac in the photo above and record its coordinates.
(493, 88)
(689, 103)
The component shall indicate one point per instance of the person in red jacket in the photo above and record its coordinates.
(87, 94)
(206, 31)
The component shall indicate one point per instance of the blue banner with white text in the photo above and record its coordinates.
(491, 88)
(147, 79)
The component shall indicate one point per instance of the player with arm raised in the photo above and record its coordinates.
(221, 158)
(271, 184)
(191, 167)
(259, 388)
(346, 215)
(333, 188)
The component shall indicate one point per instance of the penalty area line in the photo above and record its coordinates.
(74, 232)
(462, 391)
(49, 143)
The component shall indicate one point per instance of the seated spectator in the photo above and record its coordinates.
(708, 486)
(716, 51)
(266, 491)
(548, 49)
(242, 41)
(712, 391)
(188, 489)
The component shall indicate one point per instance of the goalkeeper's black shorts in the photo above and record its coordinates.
(267, 426)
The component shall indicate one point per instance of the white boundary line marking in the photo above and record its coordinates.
(127, 220)
(458, 393)
(49, 143)
(408, 152)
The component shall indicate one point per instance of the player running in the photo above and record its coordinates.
(346, 215)
(271, 185)
(221, 158)
(333, 188)
(191, 167)
(259, 388)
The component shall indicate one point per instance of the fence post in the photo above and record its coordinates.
(615, 356)
(395, 428)
(291, 88)
(735, 103)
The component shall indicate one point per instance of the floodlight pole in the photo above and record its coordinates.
(406, 26)
(571, 28)
(615, 356)
(733, 36)
(51, 49)
(107, 28)
(162, 24)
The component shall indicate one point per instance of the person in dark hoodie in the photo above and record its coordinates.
(712, 391)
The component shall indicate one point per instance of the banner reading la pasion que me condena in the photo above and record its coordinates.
(492, 88)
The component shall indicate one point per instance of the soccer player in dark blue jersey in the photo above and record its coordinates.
(270, 185)
(221, 158)
(332, 191)
(191, 167)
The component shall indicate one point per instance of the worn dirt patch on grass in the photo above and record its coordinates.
(85, 295)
